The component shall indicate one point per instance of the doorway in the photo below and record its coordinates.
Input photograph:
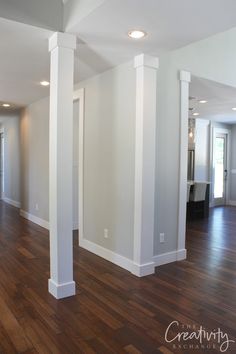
(220, 168)
(1, 165)
(208, 125)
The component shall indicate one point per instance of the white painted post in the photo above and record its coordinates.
(145, 161)
(61, 46)
(185, 79)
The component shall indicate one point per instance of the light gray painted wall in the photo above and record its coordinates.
(202, 150)
(35, 160)
(109, 158)
(40, 13)
(34, 127)
(109, 135)
(233, 164)
(213, 59)
(10, 124)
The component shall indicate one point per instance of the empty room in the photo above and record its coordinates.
(117, 176)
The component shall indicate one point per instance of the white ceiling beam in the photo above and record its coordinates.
(76, 10)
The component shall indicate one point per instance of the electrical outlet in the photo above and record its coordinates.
(37, 207)
(162, 237)
(106, 234)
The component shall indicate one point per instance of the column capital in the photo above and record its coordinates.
(146, 60)
(64, 40)
(185, 76)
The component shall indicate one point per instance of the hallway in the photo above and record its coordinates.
(113, 311)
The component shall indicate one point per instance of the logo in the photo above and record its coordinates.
(188, 337)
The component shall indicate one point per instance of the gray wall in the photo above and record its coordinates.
(34, 128)
(109, 134)
(10, 124)
(109, 158)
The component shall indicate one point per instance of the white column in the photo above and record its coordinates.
(61, 46)
(145, 161)
(185, 78)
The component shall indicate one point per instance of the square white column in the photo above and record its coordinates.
(61, 47)
(145, 161)
(185, 79)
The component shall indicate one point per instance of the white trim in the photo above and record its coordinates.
(80, 95)
(147, 61)
(34, 219)
(130, 265)
(185, 79)
(60, 291)
(107, 254)
(11, 202)
(227, 132)
(170, 257)
(145, 144)
(2, 191)
(62, 40)
(231, 203)
(144, 269)
(75, 225)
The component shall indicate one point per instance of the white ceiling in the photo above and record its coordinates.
(170, 24)
(102, 33)
(24, 62)
(221, 99)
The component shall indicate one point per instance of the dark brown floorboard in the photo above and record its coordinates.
(113, 311)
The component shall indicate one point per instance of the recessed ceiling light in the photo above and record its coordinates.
(203, 101)
(44, 83)
(196, 114)
(234, 108)
(6, 105)
(137, 34)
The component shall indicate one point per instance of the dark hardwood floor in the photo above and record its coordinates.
(113, 311)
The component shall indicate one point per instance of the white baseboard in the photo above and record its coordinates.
(11, 202)
(140, 270)
(60, 291)
(34, 219)
(41, 222)
(232, 202)
(109, 255)
(170, 257)
(75, 225)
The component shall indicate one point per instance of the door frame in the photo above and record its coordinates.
(79, 95)
(219, 130)
(3, 167)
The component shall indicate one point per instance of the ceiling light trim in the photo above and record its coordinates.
(137, 34)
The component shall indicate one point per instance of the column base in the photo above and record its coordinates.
(142, 270)
(60, 291)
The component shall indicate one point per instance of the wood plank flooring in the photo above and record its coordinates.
(113, 311)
